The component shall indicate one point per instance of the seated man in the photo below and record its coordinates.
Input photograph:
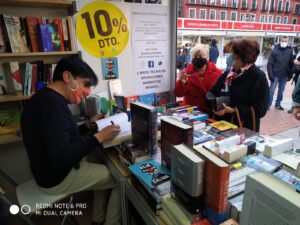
(56, 148)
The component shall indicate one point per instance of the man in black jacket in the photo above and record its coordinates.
(279, 66)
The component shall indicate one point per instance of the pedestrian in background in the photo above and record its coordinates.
(279, 68)
(213, 51)
(295, 72)
(227, 51)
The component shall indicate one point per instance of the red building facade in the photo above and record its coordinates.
(263, 11)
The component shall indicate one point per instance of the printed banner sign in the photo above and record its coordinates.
(102, 29)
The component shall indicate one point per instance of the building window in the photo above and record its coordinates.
(253, 5)
(244, 4)
(271, 6)
(234, 3)
(278, 19)
(223, 2)
(287, 7)
(297, 9)
(285, 20)
(294, 21)
(279, 7)
(203, 2)
(192, 13)
(212, 14)
(270, 19)
(223, 15)
(264, 5)
(233, 16)
(262, 19)
(252, 17)
(243, 17)
(203, 14)
(212, 2)
(192, 1)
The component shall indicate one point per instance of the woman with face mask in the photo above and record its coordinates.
(197, 78)
(56, 148)
(245, 84)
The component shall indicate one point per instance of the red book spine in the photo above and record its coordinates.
(216, 186)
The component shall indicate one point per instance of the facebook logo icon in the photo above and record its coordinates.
(150, 64)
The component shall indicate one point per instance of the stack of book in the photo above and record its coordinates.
(216, 181)
(130, 154)
(154, 179)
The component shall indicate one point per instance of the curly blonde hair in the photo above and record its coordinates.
(202, 49)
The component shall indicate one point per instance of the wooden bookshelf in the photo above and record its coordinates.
(13, 98)
(39, 3)
(47, 57)
(9, 138)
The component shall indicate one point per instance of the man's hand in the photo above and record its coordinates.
(107, 133)
(296, 112)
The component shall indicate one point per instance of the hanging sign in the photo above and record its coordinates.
(102, 29)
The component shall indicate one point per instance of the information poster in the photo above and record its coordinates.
(150, 45)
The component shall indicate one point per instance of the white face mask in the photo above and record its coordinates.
(283, 44)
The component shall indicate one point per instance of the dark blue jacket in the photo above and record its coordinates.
(280, 62)
(213, 54)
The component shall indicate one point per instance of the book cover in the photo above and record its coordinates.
(110, 68)
(32, 26)
(14, 33)
(173, 132)
(151, 173)
(148, 99)
(67, 43)
(3, 43)
(223, 125)
(216, 180)
(235, 207)
(55, 37)
(260, 162)
(290, 159)
(3, 82)
(162, 98)
(60, 33)
(268, 200)
(15, 74)
(129, 99)
(9, 118)
(144, 126)
(71, 31)
(239, 131)
(45, 31)
(287, 178)
(115, 88)
(187, 169)
(278, 147)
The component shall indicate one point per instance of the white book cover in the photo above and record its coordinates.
(269, 201)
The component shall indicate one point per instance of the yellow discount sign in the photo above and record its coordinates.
(102, 29)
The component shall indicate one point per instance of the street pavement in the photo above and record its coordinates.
(280, 123)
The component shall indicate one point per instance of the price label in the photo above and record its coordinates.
(102, 29)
